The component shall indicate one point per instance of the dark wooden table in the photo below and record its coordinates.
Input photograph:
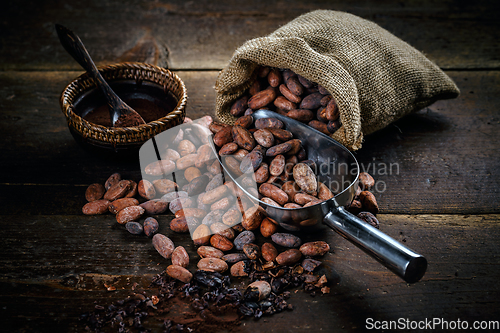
(443, 201)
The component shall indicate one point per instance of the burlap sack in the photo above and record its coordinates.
(375, 77)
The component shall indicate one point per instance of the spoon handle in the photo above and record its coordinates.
(74, 46)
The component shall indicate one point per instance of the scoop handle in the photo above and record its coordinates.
(406, 263)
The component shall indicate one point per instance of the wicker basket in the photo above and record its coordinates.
(122, 139)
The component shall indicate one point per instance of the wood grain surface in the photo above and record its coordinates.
(437, 170)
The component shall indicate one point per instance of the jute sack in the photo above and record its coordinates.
(375, 77)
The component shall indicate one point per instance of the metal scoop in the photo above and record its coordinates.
(336, 167)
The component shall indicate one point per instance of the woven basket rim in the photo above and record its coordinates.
(119, 134)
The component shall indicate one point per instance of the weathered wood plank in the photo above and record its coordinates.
(188, 36)
(53, 268)
(444, 159)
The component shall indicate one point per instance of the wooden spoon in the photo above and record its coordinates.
(121, 114)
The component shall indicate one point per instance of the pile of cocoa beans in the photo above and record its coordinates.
(292, 95)
(222, 220)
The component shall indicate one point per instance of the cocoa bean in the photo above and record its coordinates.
(274, 77)
(215, 126)
(268, 228)
(214, 195)
(205, 156)
(186, 147)
(134, 228)
(180, 273)
(222, 204)
(239, 107)
(212, 265)
(262, 173)
(181, 224)
(154, 207)
(291, 189)
(257, 291)
(356, 207)
(294, 85)
(180, 203)
(220, 242)
(232, 217)
(245, 237)
(316, 248)
(129, 214)
(286, 240)
(223, 230)
(245, 121)
(262, 98)
(273, 192)
(223, 136)
(253, 217)
(370, 219)
(240, 268)
(268, 123)
(243, 137)
(158, 168)
(229, 148)
(269, 252)
(191, 212)
(284, 104)
(164, 186)
(163, 245)
(121, 203)
(190, 174)
(252, 251)
(366, 181)
(264, 137)
(303, 198)
(277, 165)
(146, 189)
(296, 146)
(289, 257)
(233, 165)
(117, 191)
(270, 202)
(186, 161)
(169, 197)
(333, 126)
(217, 181)
(209, 252)
(197, 185)
(112, 180)
(302, 115)
(251, 162)
(288, 94)
(311, 102)
(324, 193)
(292, 205)
(368, 201)
(171, 154)
(96, 207)
(201, 235)
(279, 149)
(305, 178)
(150, 226)
(232, 258)
(94, 192)
(319, 126)
(305, 82)
(332, 111)
(212, 217)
